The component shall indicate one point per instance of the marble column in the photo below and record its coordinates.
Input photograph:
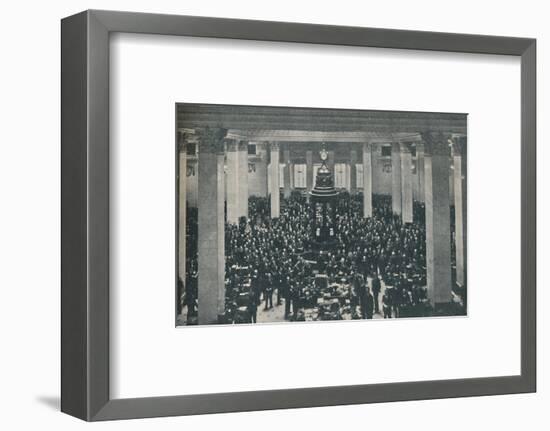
(274, 180)
(309, 172)
(211, 224)
(242, 150)
(438, 218)
(367, 180)
(233, 204)
(420, 170)
(262, 170)
(353, 172)
(286, 178)
(406, 183)
(396, 198)
(459, 182)
(182, 206)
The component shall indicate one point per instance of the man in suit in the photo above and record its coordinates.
(191, 296)
(369, 304)
(386, 305)
(278, 285)
(295, 293)
(375, 292)
(252, 306)
(255, 286)
(361, 290)
(285, 292)
(268, 292)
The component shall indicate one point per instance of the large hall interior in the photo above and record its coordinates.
(301, 214)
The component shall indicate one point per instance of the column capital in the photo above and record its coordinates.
(459, 145)
(404, 147)
(436, 143)
(212, 140)
(232, 145)
(274, 146)
(242, 146)
(182, 140)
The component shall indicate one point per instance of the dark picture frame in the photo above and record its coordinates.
(85, 215)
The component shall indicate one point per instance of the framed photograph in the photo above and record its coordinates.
(321, 211)
(267, 215)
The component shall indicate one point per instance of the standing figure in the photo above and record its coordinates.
(376, 292)
(256, 287)
(295, 293)
(268, 292)
(361, 290)
(285, 291)
(252, 306)
(369, 304)
(278, 286)
(386, 305)
(191, 294)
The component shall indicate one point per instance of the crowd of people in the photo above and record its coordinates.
(380, 261)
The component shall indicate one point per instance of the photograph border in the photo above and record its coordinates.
(223, 106)
(85, 214)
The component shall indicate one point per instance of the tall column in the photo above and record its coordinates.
(458, 151)
(367, 180)
(286, 177)
(233, 204)
(438, 218)
(182, 225)
(420, 171)
(353, 172)
(242, 150)
(396, 178)
(309, 172)
(261, 169)
(406, 183)
(274, 179)
(211, 286)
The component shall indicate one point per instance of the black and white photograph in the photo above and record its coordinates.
(286, 215)
(290, 214)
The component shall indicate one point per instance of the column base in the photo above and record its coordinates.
(223, 319)
(448, 309)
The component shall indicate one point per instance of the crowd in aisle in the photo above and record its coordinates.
(378, 265)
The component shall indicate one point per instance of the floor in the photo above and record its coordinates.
(276, 314)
